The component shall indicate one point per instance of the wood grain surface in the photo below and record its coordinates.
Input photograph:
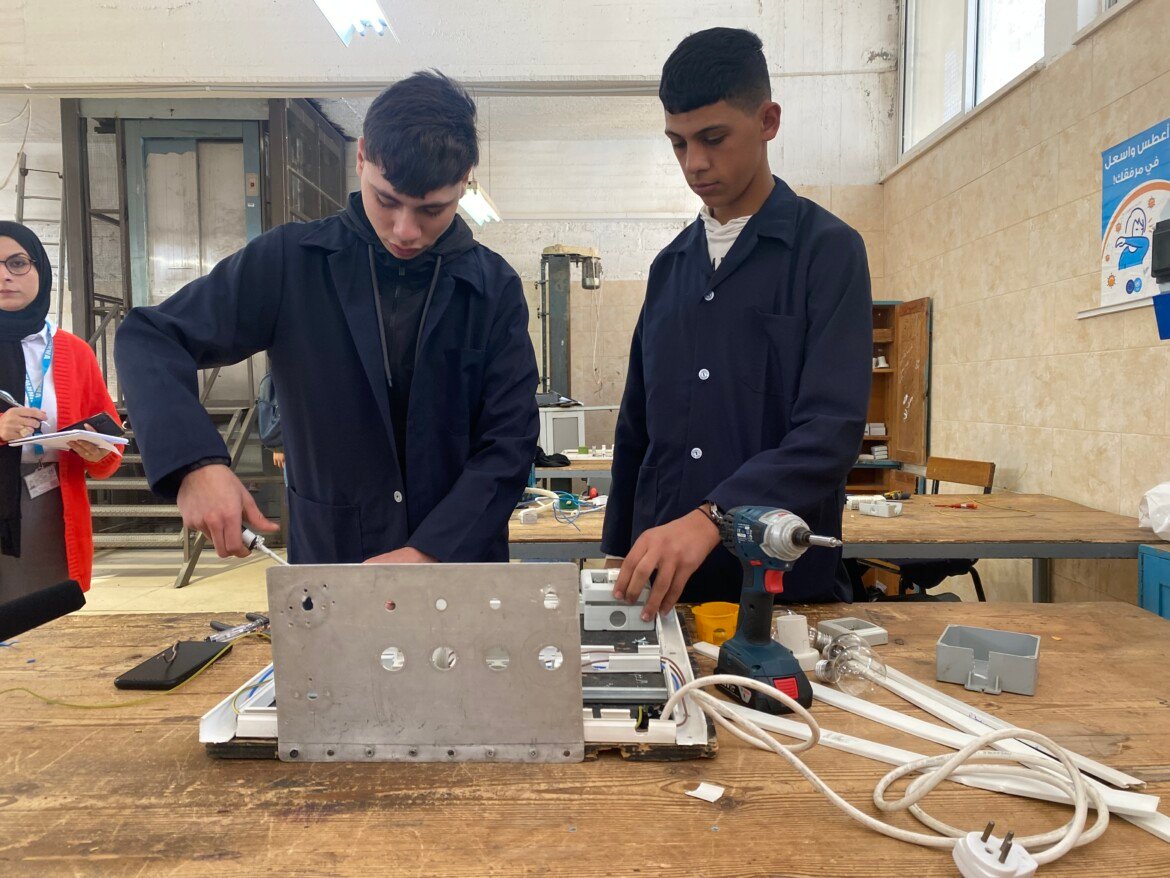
(131, 792)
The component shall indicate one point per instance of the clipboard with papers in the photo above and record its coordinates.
(62, 439)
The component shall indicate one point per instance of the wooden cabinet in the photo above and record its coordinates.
(900, 395)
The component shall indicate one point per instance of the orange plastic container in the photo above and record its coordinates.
(715, 621)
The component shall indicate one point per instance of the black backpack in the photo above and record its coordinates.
(268, 414)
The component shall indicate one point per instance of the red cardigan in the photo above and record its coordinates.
(81, 392)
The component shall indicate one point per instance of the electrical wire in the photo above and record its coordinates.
(971, 759)
(134, 702)
(566, 508)
(23, 140)
(236, 698)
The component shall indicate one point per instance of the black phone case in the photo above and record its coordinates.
(101, 423)
(172, 666)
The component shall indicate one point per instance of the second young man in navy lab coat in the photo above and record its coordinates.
(399, 348)
(750, 367)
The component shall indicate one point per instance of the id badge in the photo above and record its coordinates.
(42, 480)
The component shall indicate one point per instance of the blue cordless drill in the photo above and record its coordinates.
(767, 542)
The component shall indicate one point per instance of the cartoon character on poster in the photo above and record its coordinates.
(1135, 195)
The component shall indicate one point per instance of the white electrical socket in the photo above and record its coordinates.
(791, 630)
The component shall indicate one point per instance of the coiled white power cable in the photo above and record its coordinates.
(972, 759)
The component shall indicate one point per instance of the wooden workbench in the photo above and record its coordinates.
(131, 792)
(586, 468)
(1005, 525)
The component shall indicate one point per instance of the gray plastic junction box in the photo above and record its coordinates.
(987, 660)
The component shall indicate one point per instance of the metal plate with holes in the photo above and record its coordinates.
(427, 662)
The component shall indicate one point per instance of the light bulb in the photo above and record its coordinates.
(841, 643)
(852, 665)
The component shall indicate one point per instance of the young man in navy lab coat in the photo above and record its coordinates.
(399, 348)
(750, 367)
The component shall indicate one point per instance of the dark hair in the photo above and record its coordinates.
(719, 64)
(420, 132)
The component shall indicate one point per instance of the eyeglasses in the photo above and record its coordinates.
(19, 264)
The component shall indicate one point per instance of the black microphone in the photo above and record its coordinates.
(26, 613)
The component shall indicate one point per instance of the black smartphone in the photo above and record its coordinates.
(173, 665)
(101, 423)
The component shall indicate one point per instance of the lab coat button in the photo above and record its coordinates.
(704, 374)
(696, 453)
(397, 496)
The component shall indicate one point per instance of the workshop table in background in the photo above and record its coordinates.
(132, 791)
(593, 468)
(552, 540)
(1005, 525)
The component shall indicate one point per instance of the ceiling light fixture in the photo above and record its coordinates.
(478, 205)
(349, 17)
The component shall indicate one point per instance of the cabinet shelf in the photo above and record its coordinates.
(898, 395)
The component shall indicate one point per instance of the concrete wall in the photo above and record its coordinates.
(1000, 224)
(187, 43)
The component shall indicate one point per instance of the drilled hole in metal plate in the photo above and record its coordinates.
(551, 601)
(444, 658)
(393, 658)
(497, 658)
(391, 606)
(495, 603)
(329, 753)
(307, 604)
(550, 657)
(440, 604)
(450, 752)
(617, 618)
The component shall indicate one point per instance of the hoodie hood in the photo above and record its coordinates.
(453, 242)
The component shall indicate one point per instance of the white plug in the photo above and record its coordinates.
(986, 856)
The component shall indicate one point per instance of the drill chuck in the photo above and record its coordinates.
(787, 537)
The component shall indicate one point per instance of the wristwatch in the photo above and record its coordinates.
(712, 511)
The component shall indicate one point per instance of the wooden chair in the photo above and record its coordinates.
(915, 577)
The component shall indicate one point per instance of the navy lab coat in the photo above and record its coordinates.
(302, 292)
(748, 385)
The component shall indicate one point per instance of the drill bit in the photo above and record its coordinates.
(824, 542)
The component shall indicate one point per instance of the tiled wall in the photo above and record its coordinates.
(999, 222)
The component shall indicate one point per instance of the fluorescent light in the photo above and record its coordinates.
(349, 17)
(476, 203)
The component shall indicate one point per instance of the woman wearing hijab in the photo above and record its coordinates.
(46, 535)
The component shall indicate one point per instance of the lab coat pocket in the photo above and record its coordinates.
(321, 533)
(463, 381)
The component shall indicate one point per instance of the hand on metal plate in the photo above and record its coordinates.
(215, 503)
(675, 550)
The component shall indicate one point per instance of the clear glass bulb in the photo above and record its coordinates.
(859, 672)
(852, 665)
(842, 643)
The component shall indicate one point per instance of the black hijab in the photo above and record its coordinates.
(15, 326)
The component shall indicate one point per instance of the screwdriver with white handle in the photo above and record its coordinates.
(255, 541)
